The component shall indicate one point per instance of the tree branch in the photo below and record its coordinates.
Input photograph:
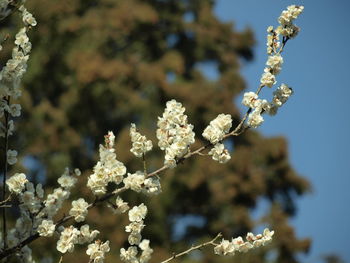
(4, 227)
(211, 242)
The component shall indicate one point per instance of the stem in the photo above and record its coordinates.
(144, 163)
(211, 242)
(4, 227)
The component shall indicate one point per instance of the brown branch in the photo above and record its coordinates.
(4, 202)
(211, 242)
(4, 227)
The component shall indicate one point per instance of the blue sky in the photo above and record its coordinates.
(315, 120)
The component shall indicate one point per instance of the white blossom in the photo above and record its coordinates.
(290, 14)
(15, 110)
(11, 157)
(275, 63)
(146, 251)
(108, 169)
(97, 251)
(137, 213)
(77, 172)
(217, 128)
(152, 186)
(267, 78)
(174, 133)
(255, 119)
(16, 183)
(228, 248)
(135, 227)
(27, 17)
(140, 144)
(134, 181)
(79, 210)
(281, 95)
(85, 235)
(30, 199)
(39, 190)
(67, 181)
(46, 228)
(129, 256)
(120, 206)
(134, 238)
(54, 202)
(225, 248)
(219, 153)
(249, 99)
(21, 38)
(68, 238)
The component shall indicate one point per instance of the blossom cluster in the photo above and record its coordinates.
(215, 133)
(37, 212)
(174, 133)
(70, 236)
(119, 207)
(136, 216)
(97, 251)
(12, 73)
(108, 169)
(274, 65)
(229, 248)
(140, 144)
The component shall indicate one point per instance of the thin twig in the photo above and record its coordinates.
(211, 242)
(144, 163)
(3, 203)
(4, 227)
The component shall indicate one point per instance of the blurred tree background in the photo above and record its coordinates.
(99, 65)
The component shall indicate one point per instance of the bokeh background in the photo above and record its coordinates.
(316, 120)
(97, 65)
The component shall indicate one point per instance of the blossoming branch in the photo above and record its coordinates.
(175, 135)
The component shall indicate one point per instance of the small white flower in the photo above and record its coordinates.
(97, 251)
(77, 172)
(129, 255)
(134, 238)
(217, 128)
(249, 99)
(66, 181)
(85, 235)
(255, 119)
(140, 144)
(267, 78)
(137, 213)
(11, 157)
(68, 238)
(15, 110)
(134, 181)
(225, 248)
(174, 133)
(135, 227)
(275, 62)
(152, 186)
(219, 153)
(16, 183)
(46, 228)
(79, 210)
(122, 206)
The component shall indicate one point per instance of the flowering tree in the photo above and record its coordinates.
(40, 214)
